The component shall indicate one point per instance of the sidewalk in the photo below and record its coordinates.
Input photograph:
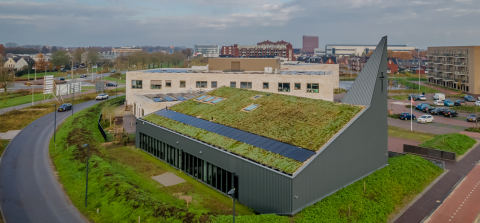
(463, 203)
(396, 144)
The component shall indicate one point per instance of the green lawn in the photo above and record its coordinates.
(3, 145)
(413, 88)
(58, 73)
(399, 97)
(260, 155)
(303, 122)
(453, 142)
(20, 100)
(120, 183)
(122, 81)
(394, 131)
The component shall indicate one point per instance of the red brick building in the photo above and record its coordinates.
(392, 66)
(265, 49)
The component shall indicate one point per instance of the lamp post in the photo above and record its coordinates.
(55, 125)
(73, 98)
(86, 186)
(232, 192)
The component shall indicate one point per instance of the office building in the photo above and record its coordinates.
(206, 50)
(281, 153)
(309, 45)
(456, 67)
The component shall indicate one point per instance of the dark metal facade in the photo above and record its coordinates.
(355, 152)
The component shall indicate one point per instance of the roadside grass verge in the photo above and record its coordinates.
(394, 131)
(413, 87)
(3, 145)
(452, 142)
(260, 155)
(20, 100)
(119, 179)
(443, 87)
(399, 97)
(416, 79)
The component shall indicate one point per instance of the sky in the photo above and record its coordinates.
(419, 23)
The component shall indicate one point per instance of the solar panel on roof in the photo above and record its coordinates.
(169, 99)
(256, 96)
(181, 98)
(209, 99)
(202, 97)
(157, 100)
(217, 100)
(251, 107)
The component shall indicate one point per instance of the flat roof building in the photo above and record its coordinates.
(456, 67)
(265, 49)
(206, 50)
(309, 44)
(361, 50)
(280, 152)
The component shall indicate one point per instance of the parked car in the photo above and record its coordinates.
(65, 107)
(407, 116)
(438, 102)
(412, 96)
(472, 118)
(450, 113)
(477, 103)
(421, 97)
(419, 105)
(459, 103)
(448, 103)
(439, 96)
(101, 97)
(423, 106)
(62, 79)
(113, 71)
(110, 84)
(469, 98)
(438, 111)
(83, 76)
(428, 108)
(425, 119)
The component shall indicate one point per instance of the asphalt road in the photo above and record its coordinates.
(29, 191)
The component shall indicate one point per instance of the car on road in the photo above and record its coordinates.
(459, 103)
(425, 119)
(407, 116)
(101, 97)
(438, 102)
(469, 98)
(110, 84)
(428, 108)
(438, 111)
(450, 113)
(64, 107)
(421, 98)
(113, 71)
(472, 118)
(448, 103)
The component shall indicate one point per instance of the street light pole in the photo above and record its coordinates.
(55, 125)
(86, 186)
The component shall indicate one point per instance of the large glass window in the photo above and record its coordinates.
(155, 84)
(312, 88)
(246, 85)
(283, 87)
(136, 84)
(214, 176)
(233, 84)
(265, 85)
(201, 84)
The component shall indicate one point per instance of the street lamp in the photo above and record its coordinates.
(232, 192)
(86, 186)
(55, 126)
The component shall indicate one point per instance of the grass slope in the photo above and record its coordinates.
(303, 122)
(260, 155)
(394, 131)
(119, 179)
(413, 87)
(14, 101)
(452, 142)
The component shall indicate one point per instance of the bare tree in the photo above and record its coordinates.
(6, 81)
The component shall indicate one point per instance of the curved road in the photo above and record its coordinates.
(29, 191)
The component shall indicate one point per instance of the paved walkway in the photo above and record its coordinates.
(435, 128)
(396, 144)
(129, 122)
(168, 179)
(423, 206)
(463, 204)
(10, 134)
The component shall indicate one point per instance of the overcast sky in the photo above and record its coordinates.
(420, 23)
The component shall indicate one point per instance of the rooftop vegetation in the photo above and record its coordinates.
(302, 122)
(268, 158)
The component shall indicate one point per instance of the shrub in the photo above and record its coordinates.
(452, 142)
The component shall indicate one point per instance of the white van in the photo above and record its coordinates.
(439, 96)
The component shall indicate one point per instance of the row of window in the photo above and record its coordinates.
(206, 172)
(282, 87)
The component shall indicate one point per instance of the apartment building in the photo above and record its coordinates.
(309, 43)
(456, 67)
(265, 49)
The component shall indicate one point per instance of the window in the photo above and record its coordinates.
(283, 87)
(214, 84)
(136, 84)
(201, 84)
(297, 86)
(233, 84)
(155, 84)
(168, 83)
(312, 88)
(182, 84)
(265, 85)
(246, 85)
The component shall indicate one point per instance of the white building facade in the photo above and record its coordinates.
(207, 50)
(361, 50)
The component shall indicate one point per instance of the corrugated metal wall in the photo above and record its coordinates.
(261, 189)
